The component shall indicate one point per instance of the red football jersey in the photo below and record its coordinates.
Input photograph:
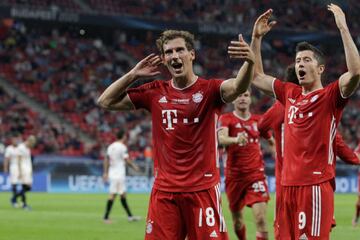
(273, 119)
(243, 161)
(184, 132)
(310, 127)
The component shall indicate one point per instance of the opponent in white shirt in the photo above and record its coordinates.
(24, 151)
(11, 165)
(115, 172)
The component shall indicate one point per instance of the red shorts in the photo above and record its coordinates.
(241, 194)
(278, 202)
(307, 212)
(197, 215)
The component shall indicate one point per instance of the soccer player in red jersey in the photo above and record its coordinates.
(312, 113)
(357, 211)
(185, 199)
(273, 119)
(245, 181)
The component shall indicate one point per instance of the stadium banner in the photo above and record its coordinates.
(141, 184)
(40, 182)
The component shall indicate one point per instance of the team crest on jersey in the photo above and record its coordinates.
(238, 125)
(163, 100)
(314, 98)
(149, 226)
(197, 97)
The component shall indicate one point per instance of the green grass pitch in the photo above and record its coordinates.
(79, 217)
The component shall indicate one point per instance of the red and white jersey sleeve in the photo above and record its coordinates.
(344, 152)
(184, 132)
(310, 127)
(243, 161)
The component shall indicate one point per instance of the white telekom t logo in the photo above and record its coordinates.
(166, 114)
(292, 112)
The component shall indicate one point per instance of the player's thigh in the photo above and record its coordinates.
(26, 177)
(315, 211)
(204, 216)
(14, 174)
(117, 186)
(257, 192)
(164, 219)
(235, 191)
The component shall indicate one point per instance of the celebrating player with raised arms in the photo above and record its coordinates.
(185, 199)
(312, 113)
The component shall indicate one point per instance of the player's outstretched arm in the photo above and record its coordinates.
(344, 152)
(115, 98)
(233, 87)
(350, 80)
(262, 26)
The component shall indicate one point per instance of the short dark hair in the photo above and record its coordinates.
(318, 54)
(172, 34)
(120, 134)
(290, 74)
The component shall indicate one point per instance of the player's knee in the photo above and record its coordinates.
(260, 221)
(238, 223)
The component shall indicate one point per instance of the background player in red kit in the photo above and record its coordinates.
(185, 200)
(312, 114)
(245, 181)
(357, 206)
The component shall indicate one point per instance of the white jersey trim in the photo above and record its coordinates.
(331, 140)
(181, 89)
(273, 88)
(244, 119)
(316, 211)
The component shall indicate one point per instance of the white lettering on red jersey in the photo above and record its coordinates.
(184, 132)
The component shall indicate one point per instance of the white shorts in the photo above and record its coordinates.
(117, 186)
(14, 174)
(26, 177)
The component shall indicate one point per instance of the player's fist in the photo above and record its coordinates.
(242, 139)
(262, 24)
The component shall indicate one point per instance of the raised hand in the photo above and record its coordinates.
(339, 15)
(262, 24)
(148, 67)
(241, 50)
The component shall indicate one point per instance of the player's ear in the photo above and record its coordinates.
(192, 53)
(321, 68)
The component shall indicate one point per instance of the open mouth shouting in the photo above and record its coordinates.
(302, 74)
(177, 66)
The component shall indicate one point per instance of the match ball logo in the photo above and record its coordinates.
(197, 97)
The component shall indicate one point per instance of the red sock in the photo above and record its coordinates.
(261, 236)
(241, 233)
